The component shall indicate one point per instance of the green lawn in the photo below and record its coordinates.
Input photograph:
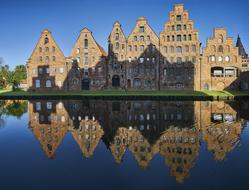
(119, 93)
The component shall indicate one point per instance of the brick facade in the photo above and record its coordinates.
(142, 61)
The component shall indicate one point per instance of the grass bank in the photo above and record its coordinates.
(119, 94)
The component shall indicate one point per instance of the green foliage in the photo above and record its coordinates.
(13, 78)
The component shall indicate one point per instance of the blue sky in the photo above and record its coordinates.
(23, 20)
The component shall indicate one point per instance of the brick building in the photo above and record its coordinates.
(142, 61)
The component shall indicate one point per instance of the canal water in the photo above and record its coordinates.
(97, 144)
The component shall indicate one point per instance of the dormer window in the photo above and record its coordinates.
(46, 40)
(117, 36)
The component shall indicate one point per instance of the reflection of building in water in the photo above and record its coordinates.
(48, 122)
(141, 149)
(88, 135)
(145, 128)
(221, 128)
(179, 143)
(86, 121)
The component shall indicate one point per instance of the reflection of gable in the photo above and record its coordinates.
(87, 136)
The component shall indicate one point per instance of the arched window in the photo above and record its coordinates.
(40, 49)
(168, 38)
(148, 38)
(171, 49)
(47, 49)
(135, 48)
(130, 48)
(184, 37)
(179, 49)
(164, 49)
(142, 48)
(54, 58)
(179, 38)
(141, 38)
(48, 84)
(220, 40)
(47, 59)
(46, 40)
(173, 28)
(189, 37)
(173, 38)
(86, 43)
(220, 49)
(186, 49)
(179, 27)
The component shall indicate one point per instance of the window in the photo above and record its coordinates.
(130, 48)
(117, 46)
(173, 28)
(227, 58)
(148, 38)
(171, 49)
(220, 59)
(141, 38)
(86, 43)
(49, 105)
(179, 60)
(135, 48)
(54, 69)
(47, 59)
(173, 38)
(220, 49)
(171, 60)
(179, 27)
(179, 49)
(193, 60)
(129, 59)
(220, 40)
(38, 106)
(40, 70)
(213, 58)
(184, 38)
(37, 84)
(54, 58)
(168, 38)
(40, 49)
(179, 38)
(178, 18)
(193, 48)
(86, 58)
(141, 60)
(184, 27)
(47, 70)
(186, 49)
(141, 29)
(142, 48)
(165, 72)
(46, 49)
(186, 59)
(34, 71)
(135, 38)
(78, 59)
(189, 37)
(78, 50)
(40, 58)
(53, 49)
(48, 84)
(117, 36)
(61, 69)
(46, 40)
(164, 49)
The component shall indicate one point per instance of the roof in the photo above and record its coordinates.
(242, 50)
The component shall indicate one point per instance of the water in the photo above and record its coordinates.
(96, 144)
